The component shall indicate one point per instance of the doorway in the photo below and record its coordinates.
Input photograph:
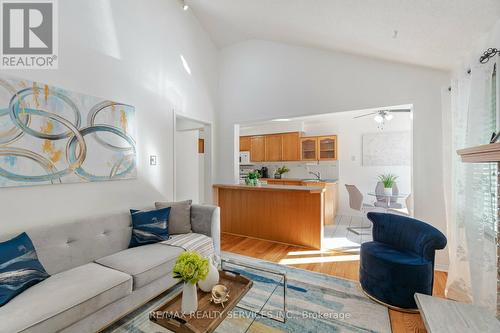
(192, 160)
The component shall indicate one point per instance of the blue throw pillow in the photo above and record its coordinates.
(149, 226)
(19, 267)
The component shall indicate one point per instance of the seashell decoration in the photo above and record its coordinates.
(220, 294)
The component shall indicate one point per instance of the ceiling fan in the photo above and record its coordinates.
(380, 116)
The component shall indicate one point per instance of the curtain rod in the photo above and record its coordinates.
(488, 54)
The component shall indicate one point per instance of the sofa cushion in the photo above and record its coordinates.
(149, 227)
(180, 216)
(145, 263)
(64, 299)
(202, 244)
(19, 267)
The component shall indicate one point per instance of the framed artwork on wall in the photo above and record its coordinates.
(49, 135)
(387, 149)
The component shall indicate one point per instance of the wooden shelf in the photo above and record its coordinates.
(481, 154)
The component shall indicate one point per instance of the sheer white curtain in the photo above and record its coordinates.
(472, 275)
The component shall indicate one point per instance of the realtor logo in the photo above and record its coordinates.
(29, 34)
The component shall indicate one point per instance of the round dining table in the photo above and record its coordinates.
(388, 197)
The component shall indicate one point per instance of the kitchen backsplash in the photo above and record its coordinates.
(301, 169)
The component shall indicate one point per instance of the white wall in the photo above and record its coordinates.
(262, 80)
(128, 51)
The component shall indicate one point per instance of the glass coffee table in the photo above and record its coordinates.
(267, 297)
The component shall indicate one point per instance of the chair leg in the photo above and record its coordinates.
(355, 229)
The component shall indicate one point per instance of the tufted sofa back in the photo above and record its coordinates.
(64, 246)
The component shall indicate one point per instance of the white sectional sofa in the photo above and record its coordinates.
(95, 278)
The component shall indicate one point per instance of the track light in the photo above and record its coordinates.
(185, 7)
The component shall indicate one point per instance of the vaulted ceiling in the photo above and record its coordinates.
(431, 33)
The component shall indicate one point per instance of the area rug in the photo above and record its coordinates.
(315, 303)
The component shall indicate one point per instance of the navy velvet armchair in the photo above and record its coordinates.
(399, 262)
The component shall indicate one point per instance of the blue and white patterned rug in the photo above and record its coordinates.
(315, 303)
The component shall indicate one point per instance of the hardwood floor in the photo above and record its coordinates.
(341, 264)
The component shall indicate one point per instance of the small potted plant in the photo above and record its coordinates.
(280, 171)
(388, 180)
(190, 267)
(252, 178)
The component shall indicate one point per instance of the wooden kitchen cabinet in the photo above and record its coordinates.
(273, 147)
(309, 149)
(327, 147)
(245, 143)
(291, 146)
(258, 148)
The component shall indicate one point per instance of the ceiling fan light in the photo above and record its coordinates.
(389, 116)
(378, 118)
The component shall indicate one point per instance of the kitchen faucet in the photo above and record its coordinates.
(316, 174)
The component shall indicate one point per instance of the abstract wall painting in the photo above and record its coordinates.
(49, 135)
(387, 149)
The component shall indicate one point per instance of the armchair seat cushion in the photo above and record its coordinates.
(393, 276)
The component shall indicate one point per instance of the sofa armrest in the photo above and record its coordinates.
(205, 219)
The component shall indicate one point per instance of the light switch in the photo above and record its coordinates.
(152, 159)
(353, 158)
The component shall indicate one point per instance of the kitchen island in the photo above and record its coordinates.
(291, 214)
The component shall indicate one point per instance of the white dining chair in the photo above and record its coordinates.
(356, 203)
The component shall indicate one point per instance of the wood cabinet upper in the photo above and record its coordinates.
(274, 147)
(309, 149)
(258, 148)
(327, 147)
(289, 147)
(245, 142)
(318, 148)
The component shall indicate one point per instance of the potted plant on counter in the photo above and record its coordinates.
(252, 178)
(388, 180)
(280, 171)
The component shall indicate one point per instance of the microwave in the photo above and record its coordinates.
(244, 157)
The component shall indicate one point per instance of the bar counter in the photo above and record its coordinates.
(280, 213)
